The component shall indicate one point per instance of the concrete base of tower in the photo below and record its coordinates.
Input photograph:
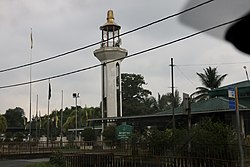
(110, 53)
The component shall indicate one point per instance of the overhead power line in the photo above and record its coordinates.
(212, 64)
(132, 55)
(96, 43)
(185, 76)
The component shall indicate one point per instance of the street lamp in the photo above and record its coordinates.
(76, 95)
(245, 67)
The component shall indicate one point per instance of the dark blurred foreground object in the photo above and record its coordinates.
(239, 34)
(217, 12)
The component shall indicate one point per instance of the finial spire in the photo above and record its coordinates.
(110, 16)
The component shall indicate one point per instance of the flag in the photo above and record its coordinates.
(31, 40)
(86, 113)
(57, 121)
(49, 96)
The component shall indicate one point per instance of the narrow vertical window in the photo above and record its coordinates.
(118, 88)
(104, 91)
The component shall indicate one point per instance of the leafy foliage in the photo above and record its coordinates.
(89, 134)
(211, 80)
(19, 136)
(136, 100)
(15, 117)
(209, 132)
(57, 159)
(165, 101)
(159, 138)
(205, 134)
(69, 116)
(109, 133)
(161, 142)
(3, 124)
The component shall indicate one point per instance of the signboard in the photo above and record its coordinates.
(231, 97)
(231, 92)
(123, 132)
(185, 102)
(232, 104)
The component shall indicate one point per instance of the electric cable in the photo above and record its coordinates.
(178, 68)
(132, 55)
(96, 43)
(212, 64)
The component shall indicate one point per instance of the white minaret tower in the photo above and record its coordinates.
(111, 55)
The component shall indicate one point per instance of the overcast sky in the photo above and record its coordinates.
(59, 26)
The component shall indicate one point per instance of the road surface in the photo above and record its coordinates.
(20, 162)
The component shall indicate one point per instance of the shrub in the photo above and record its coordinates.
(109, 133)
(89, 134)
(58, 159)
(209, 132)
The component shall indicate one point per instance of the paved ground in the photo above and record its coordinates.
(20, 162)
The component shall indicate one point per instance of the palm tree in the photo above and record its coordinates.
(165, 101)
(211, 80)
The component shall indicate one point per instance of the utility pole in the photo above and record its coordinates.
(234, 104)
(76, 95)
(172, 86)
(242, 161)
(187, 110)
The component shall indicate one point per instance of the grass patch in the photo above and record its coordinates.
(41, 164)
(56, 160)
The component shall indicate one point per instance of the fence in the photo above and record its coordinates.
(125, 154)
(109, 160)
(89, 160)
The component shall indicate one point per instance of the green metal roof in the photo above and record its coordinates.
(216, 104)
(243, 92)
(243, 89)
(238, 84)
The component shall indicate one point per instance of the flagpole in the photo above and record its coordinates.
(30, 86)
(61, 116)
(48, 126)
(40, 124)
(36, 114)
(48, 121)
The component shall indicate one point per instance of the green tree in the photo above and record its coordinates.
(15, 117)
(134, 95)
(150, 105)
(83, 114)
(165, 101)
(71, 118)
(210, 79)
(3, 124)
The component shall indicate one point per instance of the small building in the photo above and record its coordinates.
(216, 107)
